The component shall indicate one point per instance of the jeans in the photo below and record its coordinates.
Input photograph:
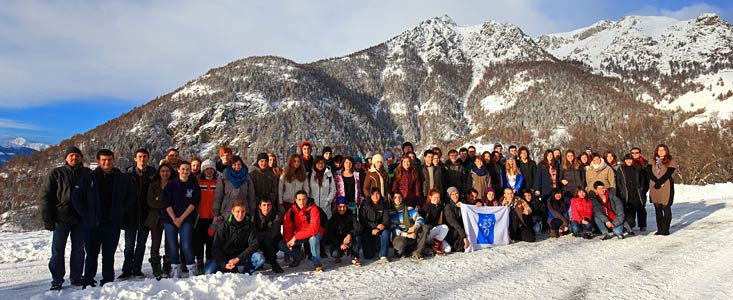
(369, 242)
(104, 237)
(58, 249)
(617, 230)
(244, 266)
(576, 227)
(171, 239)
(135, 248)
(156, 237)
(353, 249)
(315, 246)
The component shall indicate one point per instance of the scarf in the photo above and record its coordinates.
(639, 162)
(405, 215)
(658, 164)
(237, 178)
(480, 171)
(599, 167)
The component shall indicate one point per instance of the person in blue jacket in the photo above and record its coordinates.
(511, 177)
(407, 231)
(180, 198)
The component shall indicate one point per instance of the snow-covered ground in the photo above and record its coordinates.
(694, 262)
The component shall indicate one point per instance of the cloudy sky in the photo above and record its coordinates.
(68, 66)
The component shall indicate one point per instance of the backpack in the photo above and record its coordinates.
(323, 218)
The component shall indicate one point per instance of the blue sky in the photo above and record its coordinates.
(69, 66)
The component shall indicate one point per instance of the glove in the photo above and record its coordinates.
(50, 226)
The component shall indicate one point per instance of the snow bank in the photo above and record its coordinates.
(216, 286)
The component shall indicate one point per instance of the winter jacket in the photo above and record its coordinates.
(179, 196)
(409, 185)
(88, 201)
(155, 204)
(376, 179)
(208, 191)
(398, 228)
(341, 189)
(518, 182)
(558, 209)
(617, 206)
(371, 215)
(324, 193)
(341, 225)
(56, 204)
(521, 207)
(543, 181)
(480, 183)
(630, 183)
(234, 239)
(433, 214)
(225, 195)
(457, 176)
(661, 183)
(603, 173)
(454, 219)
(268, 227)
(582, 208)
(265, 184)
(286, 190)
(438, 180)
(529, 171)
(575, 178)
(300, 228)
(140, 180)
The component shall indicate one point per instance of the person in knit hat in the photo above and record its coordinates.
(201, 240)
(377, 177)
(327, 154)
(342, 232)
(225, 159)
(264, 179)
(59, 216)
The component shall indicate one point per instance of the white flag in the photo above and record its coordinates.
(486, 226)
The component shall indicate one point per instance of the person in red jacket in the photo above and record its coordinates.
(582, 214)
(407, 182)
(301, 225)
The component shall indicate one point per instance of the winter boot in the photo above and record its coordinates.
(553, 233)
(192, 270)
(184, 268)
(276, 267)
(155, 265)
(175, 271)
(200, 267)
(437, 247)
(166, 266)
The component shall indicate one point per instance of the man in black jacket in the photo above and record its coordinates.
(235, 244)
(136, 233)
(60, 217)
(267, 222)
(343, 233)
(101, 198)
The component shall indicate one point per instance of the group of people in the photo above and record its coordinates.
(222, 216)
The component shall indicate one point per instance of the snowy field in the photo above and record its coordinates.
(694, 262)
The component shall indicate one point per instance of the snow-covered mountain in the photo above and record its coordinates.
(22, 142)
(684, 64)
(437, 84)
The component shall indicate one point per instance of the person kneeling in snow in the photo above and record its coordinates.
(343, 232)
(235, 244)
(608, 212)
(406, 228)
(434, 223)
(301, 225)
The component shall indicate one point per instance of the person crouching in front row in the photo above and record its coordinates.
(235, 244)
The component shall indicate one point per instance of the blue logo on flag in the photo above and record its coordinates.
(486, 224)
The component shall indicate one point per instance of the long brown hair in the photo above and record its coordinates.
(667, 158)
(544, 162)
(566, 164)
(275, 169)
(511, 168)
(400, 169)
(291, 173)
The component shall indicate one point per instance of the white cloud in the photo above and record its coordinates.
(11, 124)
(684, 13)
